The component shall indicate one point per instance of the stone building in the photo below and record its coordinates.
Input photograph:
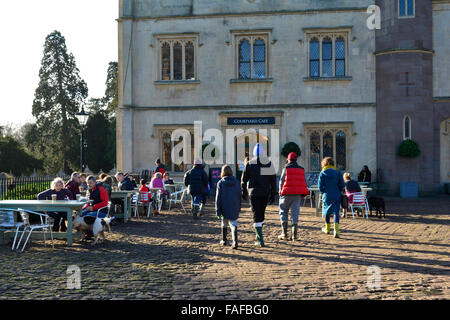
(311, 69)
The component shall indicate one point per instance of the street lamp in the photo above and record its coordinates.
(82, 119)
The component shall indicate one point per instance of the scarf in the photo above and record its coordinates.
(328, 167)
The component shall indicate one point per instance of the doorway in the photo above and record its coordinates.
(244, 146)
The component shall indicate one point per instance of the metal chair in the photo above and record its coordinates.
(308, 197)
(45, 226)
(141, 199)
(177, 197)
(107, 207)
(358, 201)
(8, 223)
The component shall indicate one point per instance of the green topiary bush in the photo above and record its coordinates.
(408, 149)
(290, 147)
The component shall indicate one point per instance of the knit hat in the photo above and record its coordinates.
(292, 156)
(197, 161)
(258, 150)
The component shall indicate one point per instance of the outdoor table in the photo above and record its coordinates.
(67, 206)
(316, 191)
(125, 195)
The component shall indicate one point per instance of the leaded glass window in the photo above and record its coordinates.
(327, 57)
(340, 57)
(314, 153)
(328, 144)
(190, 60)
(252, 52)
(328, 141)
(165, 61)
(341, 148)
(259, 59)
(167, 149)
(244, 59)
(314, 58)
(406, 8)
(178, 61)
(407, 128)
(178, 58)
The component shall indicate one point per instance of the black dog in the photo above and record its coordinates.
(378, 205)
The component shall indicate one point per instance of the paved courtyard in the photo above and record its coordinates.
(172, 257)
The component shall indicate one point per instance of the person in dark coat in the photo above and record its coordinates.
(73, 185)
(260, 176)
(365, 175)
(124, 182)
(331, 184)
(228, 204)
(57, 187)
(196, 180)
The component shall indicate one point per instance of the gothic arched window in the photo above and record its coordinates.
(190, 60)
(165, 61)
(178, 61)
(406, 128)
(327, 57)
(314, 151)
(314, 58)
(244, 59)
(341, 151)
(259, 59)
(340, 57)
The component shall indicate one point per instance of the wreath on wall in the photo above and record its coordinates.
(408, 149)
(290, 147)
(213, 153)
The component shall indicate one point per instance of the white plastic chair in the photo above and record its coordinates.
(45, 226)
(359, 201)
(141, 199)
(177, 197)
(308, 197)
(8, 223)
(107, 207)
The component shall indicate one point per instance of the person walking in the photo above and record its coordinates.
(259, 174)
(228, 204)
(292, 189)
(159, 167)
(196, 180)
(331, 184)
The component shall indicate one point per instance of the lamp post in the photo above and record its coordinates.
(82, 119)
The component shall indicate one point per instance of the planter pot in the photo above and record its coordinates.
(409, 189)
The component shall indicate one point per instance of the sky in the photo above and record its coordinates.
(90, 29)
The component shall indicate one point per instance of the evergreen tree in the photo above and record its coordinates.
(58, 97)
(13, 157)
(111, 98)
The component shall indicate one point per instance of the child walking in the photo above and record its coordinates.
(228, 204)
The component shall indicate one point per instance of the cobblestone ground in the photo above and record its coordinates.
(173, 257)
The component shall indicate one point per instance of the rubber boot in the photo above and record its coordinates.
(327, 228)
(294, 232)
(336, 230)
(235, 237)
(194, 211)
(223, 242)
(284, 231)
(201, 210)
(259, 237)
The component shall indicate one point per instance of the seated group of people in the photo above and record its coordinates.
(98, 191)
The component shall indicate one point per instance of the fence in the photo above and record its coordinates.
(25, 188)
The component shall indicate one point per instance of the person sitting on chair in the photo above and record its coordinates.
(57, 187)
(99, 197)
(167, 179)
(365, 175)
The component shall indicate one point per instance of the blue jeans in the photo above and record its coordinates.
(197, 199)
(101, 214)
(290, 202)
